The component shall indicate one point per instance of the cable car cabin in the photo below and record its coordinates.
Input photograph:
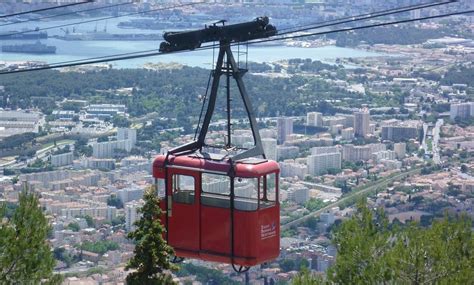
(204, 223)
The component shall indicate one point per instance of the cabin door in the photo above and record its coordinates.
(183, 219)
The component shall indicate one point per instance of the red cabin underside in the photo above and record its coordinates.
(200, 225)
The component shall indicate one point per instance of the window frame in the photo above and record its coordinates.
(175, 190)
(159, 189)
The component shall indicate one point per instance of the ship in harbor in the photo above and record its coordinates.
(104, 36)
(36, 48)
(23, 35)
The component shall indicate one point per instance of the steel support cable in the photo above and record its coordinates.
(45, 9)
(105, 18)
(336, 22)
(68, 13)
(119, 58)
(203, 104)
(305, 27)
(364, 27)
(368, 16)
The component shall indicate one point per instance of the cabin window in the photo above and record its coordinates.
(215, 190)
(268, 192)
(183, 189)
(160, 187)
(246, 193)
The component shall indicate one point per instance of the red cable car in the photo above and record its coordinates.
(221, 208)
(205, 222)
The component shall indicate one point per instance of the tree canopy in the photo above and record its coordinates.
(25, 255)
(370, 250)
(151, 259)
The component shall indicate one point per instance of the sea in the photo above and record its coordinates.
(80, 50)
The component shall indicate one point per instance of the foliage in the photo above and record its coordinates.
(362, 244)
(205, 275)
(119, 220)
(290, 264)
(37, 163)
(459, 75)
(25, 255)
(311, 222)
(305, 277)
(114, 201)
(74, 227)
(371, 252)
(403, 35)
(61, 254)
(90, 221)
(81, 148)
(175, 93)
(314, 204)
(62, 150)
(16, 141)
(100, 247)
(152, 254)
(121, 122)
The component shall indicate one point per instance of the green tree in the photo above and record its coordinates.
(25, 255)
(362, 243)
(74, 227)
(100, 247)
(305, 277)
(314, 204)
(371, 252)
(90, 221)
(152, 253)
(114, 201)
(442, 254)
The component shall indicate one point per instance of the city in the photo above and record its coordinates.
(393, 125)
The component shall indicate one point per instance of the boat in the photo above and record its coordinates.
(104, 36)
(23, 35)
(36, 48)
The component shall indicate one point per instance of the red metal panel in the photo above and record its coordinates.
(268, 237)
(203, 232)
(245, 234)
(215, 230)
(242, 169)
(183, 228)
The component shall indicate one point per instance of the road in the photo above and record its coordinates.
(381, 183)
(425, 132)
(436, 132)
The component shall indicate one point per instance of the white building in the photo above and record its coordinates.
(107, 149)
(61, 159)
(284, 128)
(127, 134)
(292, 169)
(285, 152)
(298, 194)
(324, 150)
(132, 215)
(361, 123)
(383, 155)
(347, 134)
(314, 119)
(461, 110)
(354, 153)
(18, 122)
(98, 163)
(319, 163)
(270, 148)
(400, 150)
(130, 194)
